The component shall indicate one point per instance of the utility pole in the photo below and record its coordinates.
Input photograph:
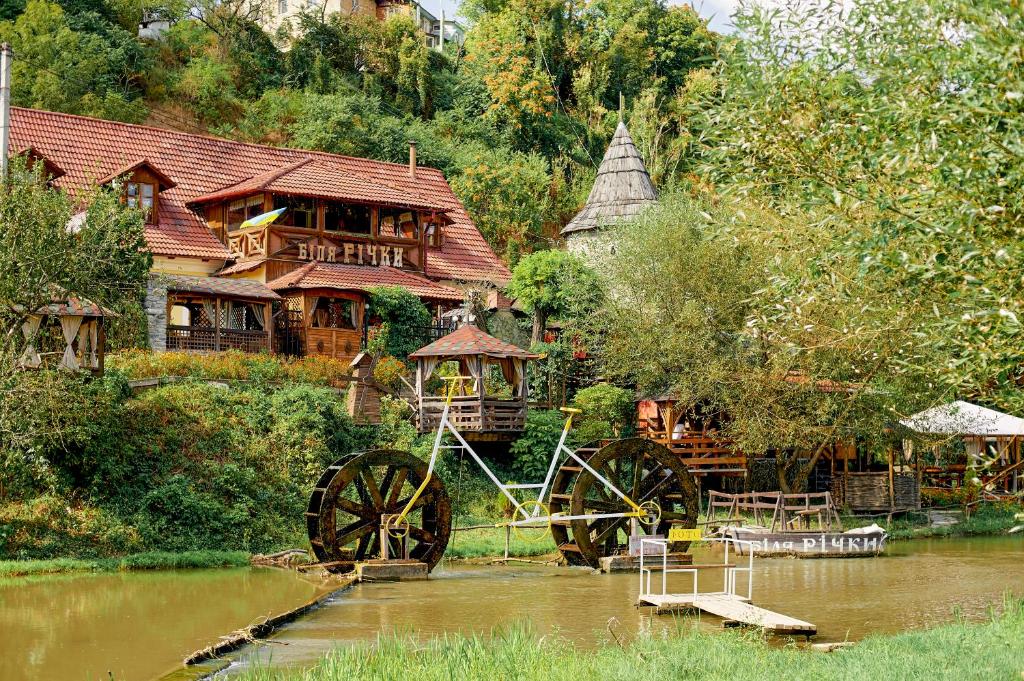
(441, 32)
(6, 57)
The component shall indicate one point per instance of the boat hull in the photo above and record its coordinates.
(810, 544)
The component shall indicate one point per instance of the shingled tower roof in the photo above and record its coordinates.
(622, 188)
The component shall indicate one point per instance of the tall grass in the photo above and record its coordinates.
(154, 560)
(490, 542)
(990, 650)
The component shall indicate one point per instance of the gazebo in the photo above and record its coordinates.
(82, 333)
(992, 442)
(473, 412)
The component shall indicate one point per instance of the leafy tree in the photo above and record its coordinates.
(553, 283)
(897, 128)
(704, 307)
(405, 317)
(74, 63)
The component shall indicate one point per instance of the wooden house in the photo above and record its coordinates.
(298, 284)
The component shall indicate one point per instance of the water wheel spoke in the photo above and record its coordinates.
(425, 498)
(602, 506)
(612, 526)
(422, 535)
(393, 483)
(354, 531)
(359, 510)
(372, 488)
(672, 515)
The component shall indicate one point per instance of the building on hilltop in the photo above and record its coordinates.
(298, 284)
(282, 11)
(621, 191)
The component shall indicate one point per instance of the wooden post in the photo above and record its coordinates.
(480, 369)
(268, 323)
(101, 344)
(216, 324)
(892, 493)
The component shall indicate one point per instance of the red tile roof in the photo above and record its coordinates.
(89, 149)
(469, 340)
(218, 286)
(324, 180)
(362, 278)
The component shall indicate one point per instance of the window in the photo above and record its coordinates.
(433, 235)
(399, 223)
(339, 217)
(282, 6)
(334, 313)
(301, 212)
(140, 194)
(241, 210)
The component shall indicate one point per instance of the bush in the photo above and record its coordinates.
(610, 405)
(229, 365)
(406, 318)
(533, 450)
(50, 525)
(389, 372)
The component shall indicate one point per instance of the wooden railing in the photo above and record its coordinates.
(206, 339)
(703, 454)
(470, 414)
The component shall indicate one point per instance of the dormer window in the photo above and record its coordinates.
(434, 235)
(140, 194)
(299, 211)
(241, 210)
(143, 183)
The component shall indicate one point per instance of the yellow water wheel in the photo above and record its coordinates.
(647, 472)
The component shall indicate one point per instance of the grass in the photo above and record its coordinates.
(155, 560)
(490, 542)
(987, 519)
(959, 650)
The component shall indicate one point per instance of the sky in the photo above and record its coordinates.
(718, 11)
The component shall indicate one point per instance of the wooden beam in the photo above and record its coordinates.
(216, 324)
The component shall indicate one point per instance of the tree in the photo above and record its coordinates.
(552, 284)
(901, 123)
(403, 317)
(703, 307)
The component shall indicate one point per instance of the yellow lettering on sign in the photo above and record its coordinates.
(349, 249)
(302, 251)
(396, 260)
(332, 254)
(683, 534)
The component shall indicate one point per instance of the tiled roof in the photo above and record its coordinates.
(324, 180)
(88, 149)
(240, 267)
(469, 340)
(218, 286)
(361, 278)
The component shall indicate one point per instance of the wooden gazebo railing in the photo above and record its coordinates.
(206, 339)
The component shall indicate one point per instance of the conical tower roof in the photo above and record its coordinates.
(621, 190)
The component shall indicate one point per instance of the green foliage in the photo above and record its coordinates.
(608, 404)
(404, 314)
(78, 63)
(533, 450)
(150, 560)
(955, 650)
(389, 372)
(554, 284)
(230, 365)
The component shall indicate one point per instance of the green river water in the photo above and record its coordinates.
(140, 625)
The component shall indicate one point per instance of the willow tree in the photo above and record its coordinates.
(737, 309)
(901, 123)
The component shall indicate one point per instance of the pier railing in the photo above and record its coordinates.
(729, 575)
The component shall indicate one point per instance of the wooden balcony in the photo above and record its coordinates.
(472, 415)
(704, 455)
(206, 339)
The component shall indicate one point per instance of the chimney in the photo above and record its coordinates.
(412, 159)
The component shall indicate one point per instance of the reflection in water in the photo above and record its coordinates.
(134, 625)
(140, 625)
(915, 585)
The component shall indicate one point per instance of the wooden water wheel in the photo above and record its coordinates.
(642, 469)
(343, 517)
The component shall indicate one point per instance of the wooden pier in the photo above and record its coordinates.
(732, 609)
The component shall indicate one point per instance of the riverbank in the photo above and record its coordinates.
(958, 650)
(153, 560)
(987, 519)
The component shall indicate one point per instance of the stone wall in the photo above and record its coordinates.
(156, 313)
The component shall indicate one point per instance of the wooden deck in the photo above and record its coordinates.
(731, 609)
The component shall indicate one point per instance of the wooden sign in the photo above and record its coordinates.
(683, 534)
(353, 254)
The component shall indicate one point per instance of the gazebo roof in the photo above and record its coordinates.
(469, 341)
(964, 418)
(622, 188)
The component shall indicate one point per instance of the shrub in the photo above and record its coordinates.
(389, 372)
(406, 318)
(50, 525)
(609, 404)
(229, 365)
(533, 450)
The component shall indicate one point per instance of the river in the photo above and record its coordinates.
(139, 625)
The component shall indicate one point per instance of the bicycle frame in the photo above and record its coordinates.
(529, 518)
